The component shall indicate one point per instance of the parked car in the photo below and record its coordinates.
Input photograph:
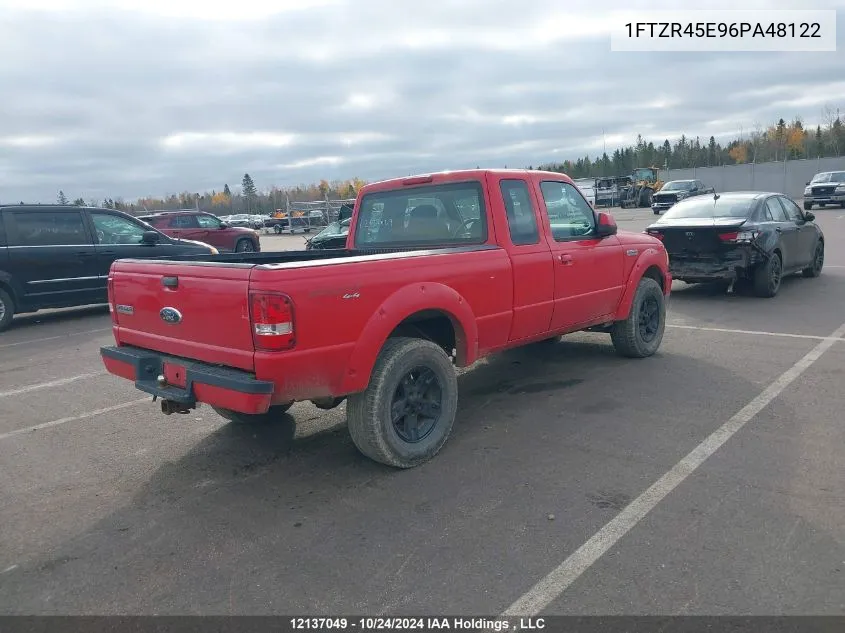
(479, 267)
(588, 188)
(675, 191)
(825, 188)
(198, 225)
(750, 238)
(59, 256)
(333, 236)
(257, 221)
(240, 220)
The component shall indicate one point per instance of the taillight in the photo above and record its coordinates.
(112, 308)
(739, 236)
(656, 234)
(271, 316)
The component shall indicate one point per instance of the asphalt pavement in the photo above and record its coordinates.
(707, 479)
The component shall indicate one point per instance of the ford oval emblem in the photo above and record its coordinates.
(170, 315)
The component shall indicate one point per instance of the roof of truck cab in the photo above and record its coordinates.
(458, 175)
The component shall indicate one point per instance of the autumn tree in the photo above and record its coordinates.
(739, 153)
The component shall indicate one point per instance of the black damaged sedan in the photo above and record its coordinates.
(739, 239)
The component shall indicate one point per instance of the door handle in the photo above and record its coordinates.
(778, 229)
(86, 254)
(566, 260)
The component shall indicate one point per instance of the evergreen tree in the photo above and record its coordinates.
(249, 191)
(62, 199)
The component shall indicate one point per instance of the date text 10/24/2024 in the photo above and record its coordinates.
(432, 623)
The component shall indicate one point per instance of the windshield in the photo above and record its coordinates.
(833, 176)
(706, 207)
(677, 185)
(444, 214)
(335, 228)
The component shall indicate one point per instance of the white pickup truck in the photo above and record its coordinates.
(588, 188)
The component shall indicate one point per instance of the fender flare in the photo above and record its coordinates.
(413, 298)
(649, 257)
(7, 281)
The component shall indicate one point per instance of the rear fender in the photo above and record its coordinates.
(398, 307)
(650, 257)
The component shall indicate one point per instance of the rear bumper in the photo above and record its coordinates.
(200, 382)
(732, 265)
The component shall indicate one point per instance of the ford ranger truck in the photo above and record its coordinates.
(439, 271)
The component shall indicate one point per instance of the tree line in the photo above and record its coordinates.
(249, 199)
(779, 141)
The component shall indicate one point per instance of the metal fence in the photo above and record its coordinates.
(786, 177)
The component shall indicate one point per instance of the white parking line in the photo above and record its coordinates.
(53, 338)
(756, 332)
(73, 418)
(47, 385)
(560, 578)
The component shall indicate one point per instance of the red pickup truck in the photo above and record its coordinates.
(439, 271)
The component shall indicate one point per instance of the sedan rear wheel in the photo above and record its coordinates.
(767, 277)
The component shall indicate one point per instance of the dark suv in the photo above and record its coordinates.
(205, 227)
(59, 256)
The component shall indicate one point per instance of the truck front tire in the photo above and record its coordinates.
(406, 414)
(641, 333)
(273, 415)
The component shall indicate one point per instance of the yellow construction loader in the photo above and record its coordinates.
(645, 181)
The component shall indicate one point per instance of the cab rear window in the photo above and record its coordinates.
(431, 215)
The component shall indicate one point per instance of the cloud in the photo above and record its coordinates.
(132, 98)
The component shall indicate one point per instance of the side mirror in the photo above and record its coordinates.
(223, 225)
(606, 225)
(150, 237)
(809, 217)
(807, 183)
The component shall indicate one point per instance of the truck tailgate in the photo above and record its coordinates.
(196, 311)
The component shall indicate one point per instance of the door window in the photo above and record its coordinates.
(49, 228)
(113, 229)
(208, 222)
(773, 212)
(791, 209)
(183, 222)
(570, 215)
(522, 219)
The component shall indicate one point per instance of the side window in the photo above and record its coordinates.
(773, 212)
(49, 228)
(522, 219)
(183, 222)
(570, 215)
(113, 229)
(208, 222)
(791, 209)
(2, 231)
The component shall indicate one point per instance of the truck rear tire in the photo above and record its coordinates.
(641, 333)
(273, 415)
(406, 414)
(7, 309)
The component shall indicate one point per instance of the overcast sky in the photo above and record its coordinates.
(148, 97)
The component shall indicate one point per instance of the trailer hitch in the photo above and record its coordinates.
(169, 406)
